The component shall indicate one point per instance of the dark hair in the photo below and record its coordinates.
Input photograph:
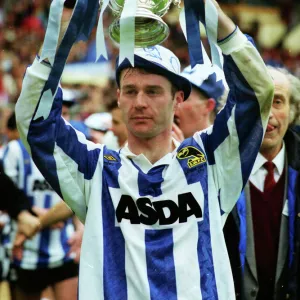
(181, 83)
(112, 105)
(70, 3)
(11, 122)
(174, 88)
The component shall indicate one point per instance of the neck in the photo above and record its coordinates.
(205, 124)
(153, 148)
(270, 154)
(122, 142)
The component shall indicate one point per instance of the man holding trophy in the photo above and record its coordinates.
(153, 211)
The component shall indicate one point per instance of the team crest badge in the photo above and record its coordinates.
(193, 155)
(110, 158)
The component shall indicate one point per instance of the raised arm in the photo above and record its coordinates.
(232, 143)
(62, 154)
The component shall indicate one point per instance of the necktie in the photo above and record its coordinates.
(269, 180)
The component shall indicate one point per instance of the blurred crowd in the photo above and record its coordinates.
(288, 16)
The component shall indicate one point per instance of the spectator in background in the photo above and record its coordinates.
(4, 115)
(69, 100)
(98, 124)
(199, 110)
(59, 212)
(118, 126)
(15, 203)
(44, 260)
(263, 231)
(11, 129)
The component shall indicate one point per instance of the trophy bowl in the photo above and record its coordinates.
(150, 29)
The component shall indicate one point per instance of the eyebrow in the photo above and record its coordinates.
(130, 86)
(153, 87)
(279, 94)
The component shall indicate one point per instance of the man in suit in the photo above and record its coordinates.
(262, 233)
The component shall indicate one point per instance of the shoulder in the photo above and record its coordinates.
(111, 156)
(16, 144)
(12, 148)
(192, 144)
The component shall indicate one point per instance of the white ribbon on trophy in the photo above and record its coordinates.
(211, 20)
(52, 34)
(127, 33)
(100, 39)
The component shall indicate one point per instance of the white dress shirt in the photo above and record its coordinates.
(259, 173)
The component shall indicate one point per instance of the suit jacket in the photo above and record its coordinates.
(12, 199)
(243, 262)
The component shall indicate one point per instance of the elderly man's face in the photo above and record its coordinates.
(279, 118)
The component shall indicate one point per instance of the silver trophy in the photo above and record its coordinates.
(150, 29)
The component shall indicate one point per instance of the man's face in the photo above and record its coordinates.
(194, 114)
(118, 126)
(147, 103)
(279, 118)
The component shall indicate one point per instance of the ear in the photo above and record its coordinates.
(211, 104)
(179, 98)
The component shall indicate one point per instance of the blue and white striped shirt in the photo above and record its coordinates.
(48, 248)
(153, 231)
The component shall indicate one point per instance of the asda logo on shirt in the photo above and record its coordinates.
(163, 212)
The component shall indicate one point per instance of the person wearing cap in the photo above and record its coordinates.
(17, 206)
(69, 98)
(45, 260)
(154, 210)
(199, 110)
(98, 124)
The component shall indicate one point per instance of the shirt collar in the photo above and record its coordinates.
(278, 161)
(141, 159)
